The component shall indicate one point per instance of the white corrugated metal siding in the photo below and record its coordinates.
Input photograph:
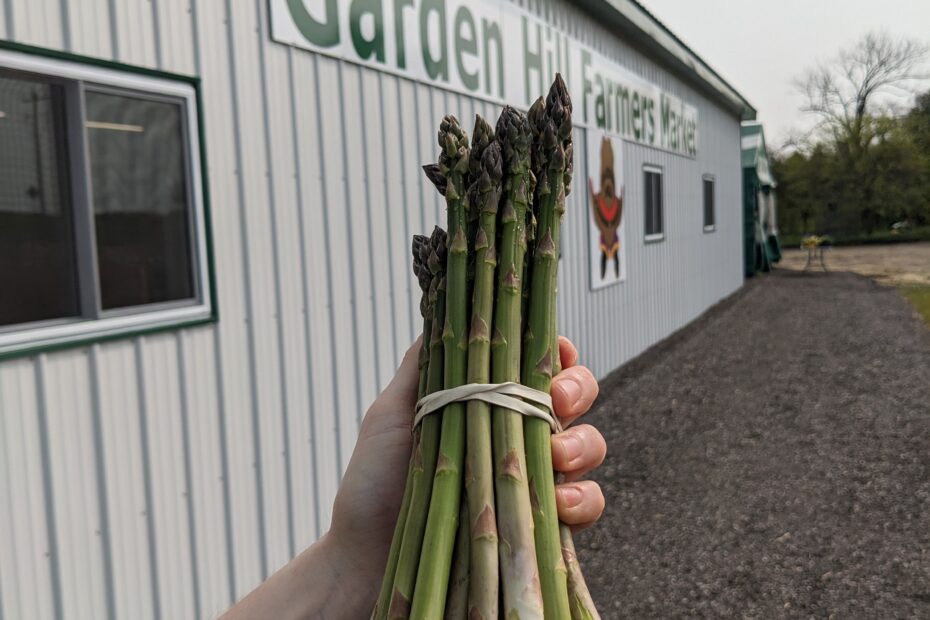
(165, 476)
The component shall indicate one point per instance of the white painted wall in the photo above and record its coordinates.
(166, 476)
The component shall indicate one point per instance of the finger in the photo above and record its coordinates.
(579, 503)
(573, 391)
(568, 354)
(578, 450)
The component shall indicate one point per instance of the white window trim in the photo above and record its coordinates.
(709, 228)
(659, 236)
(60, 332)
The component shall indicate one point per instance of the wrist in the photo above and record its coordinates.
(352, 582)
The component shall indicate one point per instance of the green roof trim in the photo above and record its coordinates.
(754, 154)
(633, 19)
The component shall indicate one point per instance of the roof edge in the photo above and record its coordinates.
(634, 19)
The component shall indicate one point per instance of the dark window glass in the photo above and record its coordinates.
(141, 212)
(653, 194)
(38, 276)
(708, 202)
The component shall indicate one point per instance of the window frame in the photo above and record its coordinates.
(654, 237)
(709, 228)
(76, 75)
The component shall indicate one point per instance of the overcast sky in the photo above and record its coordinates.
(759, 47)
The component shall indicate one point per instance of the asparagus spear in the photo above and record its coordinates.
(521, 594)
(436, 556)
(420, 249)
(483, 194)
(551, 124)
(423, 463)
(457, 601)
(579, 597)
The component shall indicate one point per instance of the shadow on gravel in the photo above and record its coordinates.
(770, 460)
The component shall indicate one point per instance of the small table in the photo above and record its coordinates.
(815, 252)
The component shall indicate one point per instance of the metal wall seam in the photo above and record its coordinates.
(376, 239)
(49, 509)
(67, 384)
(101, 476)
(312, 446)
(184, 411)
(404, 317)
(25, 571)
(149, 506)
(7, 19)
(231, 355)
(401, 172)
(337, 368)
(353, 251)
(340, 248)
(280, 313)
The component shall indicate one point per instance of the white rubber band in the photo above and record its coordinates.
(513, 396)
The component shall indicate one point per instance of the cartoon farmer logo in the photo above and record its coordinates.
(607, 206)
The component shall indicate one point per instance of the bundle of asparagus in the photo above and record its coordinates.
(478, 535)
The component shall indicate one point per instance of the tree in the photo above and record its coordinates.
(846, 92)
(853, 97)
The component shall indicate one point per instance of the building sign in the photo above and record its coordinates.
(607, 243)
(490, 49)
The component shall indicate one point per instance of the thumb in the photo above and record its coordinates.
(394, 406)
(403, 387)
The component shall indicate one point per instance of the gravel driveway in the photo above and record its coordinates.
(771, 460)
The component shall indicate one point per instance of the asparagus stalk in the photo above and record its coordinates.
(436, 556)
(484, 194)
(521, 598)
(551, 124)
(579, 597)
(424, 278)
(457, 601)
(423, 463)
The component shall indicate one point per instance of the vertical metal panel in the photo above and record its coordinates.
(195, 349)
(184, 468)
(131, 529)
(232, 331)
(67, 394)
(26, 579)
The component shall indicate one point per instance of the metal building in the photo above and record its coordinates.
(205, 213)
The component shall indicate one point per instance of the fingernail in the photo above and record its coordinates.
(572, 445)
(571, 389)
(571, 496)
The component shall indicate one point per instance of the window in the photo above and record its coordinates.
(709, 214)
(652, 182)
(102, 223)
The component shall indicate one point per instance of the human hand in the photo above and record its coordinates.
(369, 497)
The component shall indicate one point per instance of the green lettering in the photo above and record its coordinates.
(465, 43)
(323, 34)
(364, 47)
(399, 31)
(651, 117)
(599, 108)
(491, 31)
(637, 124)
(436, 68)
(664, 117)
(623, 110)
(610, 112)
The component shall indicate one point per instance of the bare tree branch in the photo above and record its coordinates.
(844, 92)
